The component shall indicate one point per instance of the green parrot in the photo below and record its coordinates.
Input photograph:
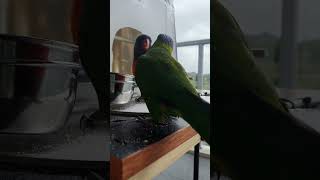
(167, 90)
(254, 134)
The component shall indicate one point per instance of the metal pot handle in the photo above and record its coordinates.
(134, 94)
(72, 90)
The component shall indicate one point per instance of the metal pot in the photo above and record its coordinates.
(121, 88)
(37, 84)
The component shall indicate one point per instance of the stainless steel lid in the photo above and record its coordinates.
(20, 49)
(121, 88)
(38, 84)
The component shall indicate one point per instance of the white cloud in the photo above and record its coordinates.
(192, 23)
(192, 19)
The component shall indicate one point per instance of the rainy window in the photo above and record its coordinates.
(122, 49)
(260, 21)
(193, 40)
(308, 44)
(302, 67)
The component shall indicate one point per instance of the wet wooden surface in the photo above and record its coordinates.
(137, 144)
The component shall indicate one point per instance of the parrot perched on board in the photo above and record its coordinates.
(166, 89)
(254, 134)
(86, 35)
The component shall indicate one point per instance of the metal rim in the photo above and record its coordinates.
(29, 50)
(32, 39)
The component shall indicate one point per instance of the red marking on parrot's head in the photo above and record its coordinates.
(141, 46)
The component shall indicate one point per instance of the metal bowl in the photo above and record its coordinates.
(121, 88)
(37, 84)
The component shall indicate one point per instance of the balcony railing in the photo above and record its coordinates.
(200, 44)
(204, 147)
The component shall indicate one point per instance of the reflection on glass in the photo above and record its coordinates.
(188, 58)
(122, 49)
(308, 45)
(206, 68)
(260, 21)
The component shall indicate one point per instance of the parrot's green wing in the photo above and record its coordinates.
(234, 65)
(167, 90)
(179, 67)
(168, 76)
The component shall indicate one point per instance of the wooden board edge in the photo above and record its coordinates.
(165, 161)
(148, 155)
(116, 169)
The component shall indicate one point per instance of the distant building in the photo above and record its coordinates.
(263, 46)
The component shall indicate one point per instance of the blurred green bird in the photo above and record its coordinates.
(254, 134)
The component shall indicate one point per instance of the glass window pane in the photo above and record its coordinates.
(188, 58)
(260, 21)
(309, 45)
(206, 67)
(122, 49)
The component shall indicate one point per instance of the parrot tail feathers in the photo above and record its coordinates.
(196, 112)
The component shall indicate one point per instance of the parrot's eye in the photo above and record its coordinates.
(166, 39)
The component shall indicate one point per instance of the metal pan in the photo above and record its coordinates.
(121, 89)
(38, 83)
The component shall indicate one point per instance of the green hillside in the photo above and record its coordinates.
(206, 80)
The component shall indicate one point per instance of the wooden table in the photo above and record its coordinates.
(141, 150)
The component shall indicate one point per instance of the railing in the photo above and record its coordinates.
(204, 149)
(200, 44)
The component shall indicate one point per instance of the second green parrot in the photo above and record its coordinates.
(167, 90)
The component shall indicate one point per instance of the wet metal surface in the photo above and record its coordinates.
(121, 88)
(131, 108)
(69, 143)
(37, 84)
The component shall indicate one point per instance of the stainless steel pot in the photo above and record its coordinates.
(121, 88)
(37, 84)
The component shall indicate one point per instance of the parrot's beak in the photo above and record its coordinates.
(146, 44)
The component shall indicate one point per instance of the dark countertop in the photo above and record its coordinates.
(68, 145)
(310, 117)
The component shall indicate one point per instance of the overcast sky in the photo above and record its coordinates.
(265, 16)
(192, 23)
